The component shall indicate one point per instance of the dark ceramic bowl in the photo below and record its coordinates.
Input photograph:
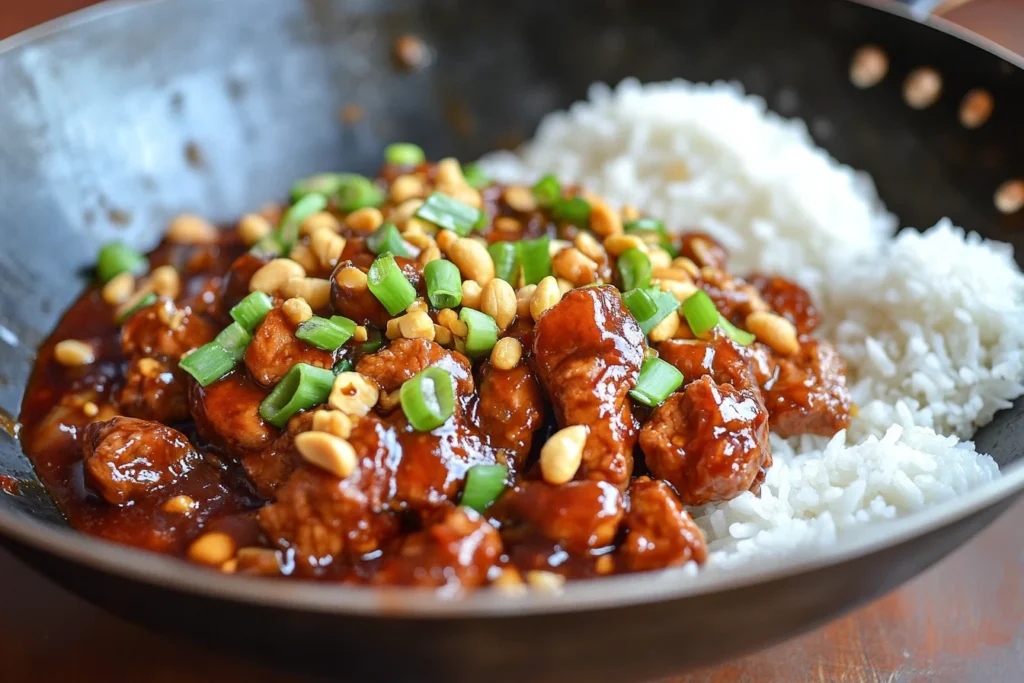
(117, 118)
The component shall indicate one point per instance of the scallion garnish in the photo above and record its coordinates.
(387, 240)
(234, 339)
(268, 246)
(475, 177)
(343, 365)
(326, 334)
(404, 154)
(388, 284)
(374, 340)
(288, 233)
(444, 284)
(208, 363)
(535, 258)
(741, 337)
(634, 269)
(649, 306)
(302, 388)
(547, 191)
(655, 228)
(428, 399)
(145, 301)
(702, 317)
(483, 332)
(357, 192)
(506, 263)
(575, 210)
(325, 184)
(250, 311)
(450, 214)
(484, 483)
(116, 258)
(657, 380)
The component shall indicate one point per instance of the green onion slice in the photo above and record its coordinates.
(484, 483)
(428, 399)
(450, 214)
(535, 258)
(326, 334)
(116, 258)
(374, 340)
(575, 210)
(444, 284)
(387, 240)
(649, 306)
(323, 184)
(506, 261)
(268, 246)
(209, 363)
(404, 154)
(343, 365)
(357, 192)
(657, 380)
(483, 332)
(700, 313)
(288, 233)
(145, 301)
(250, 311)
(389, 285)
(475, 177)
(234, 339)
(302, 388)
(741, 337)
(656, 229)
(547, 191)
(634, 268)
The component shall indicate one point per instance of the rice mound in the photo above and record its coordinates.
(931, 324)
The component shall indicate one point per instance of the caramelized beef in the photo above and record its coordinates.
(165, 330)
(403, 359)
(789, 300)
(275, 349)
(154, 390)
(227, 413)
(660, 532)
(511, 409)
(578, 516)
(810, 394)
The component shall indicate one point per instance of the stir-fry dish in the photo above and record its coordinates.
(424, 379)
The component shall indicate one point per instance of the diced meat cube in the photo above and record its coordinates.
(588, 350)
(789, 300)
(269, 469)
(275, 349)
(127, 458)
(353, 299)
(703, 250)
(660, 532)
(720, 358)
(710, 441)
(153, 390)
(510, 410)
(403, 359)
(810, 395)
(227, 413)
(166, 330)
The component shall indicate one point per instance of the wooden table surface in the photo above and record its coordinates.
(963, 621)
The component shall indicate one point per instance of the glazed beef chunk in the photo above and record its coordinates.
(511, 409)
(127, 458)
(165, 330)
(810, 394)
(275, 349)
(710, 441)
(227, 413)
(405, 358)
(588, 350)
(153, 390)
(660, 532)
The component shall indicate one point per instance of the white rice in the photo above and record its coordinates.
(931, 325)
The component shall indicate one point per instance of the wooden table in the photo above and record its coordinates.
(963, 621)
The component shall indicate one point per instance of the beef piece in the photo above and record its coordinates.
(456, 552)
(325, 519)
(127, 458)
(510, 410)
(355, 301)
(235, 286)
(403, 359)
(588, 350)
(269, 469)
(153, 390)
(810, 395)
(165, 330)
(788, 300)
(720, 358)
(579, 516)
(709, 442)
(275, 349)
(660, 532)
(703, 249)
(227, 413)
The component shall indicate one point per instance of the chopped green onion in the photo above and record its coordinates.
(357, 192)
(450, 214)
(145, 301)
(634, 268)
(428, 399)
(404, 154)
(655, 228)
(387, 240)
(484, 483)
(700, 313)
(268, 246)
(389, 285)
(250, 311)
(374, 340)
(302, 388)
(483, 332)
(444, 284)
(234, 339)
(547, 191)
(475, 177)
(657, 380)
(741, 337)
(343, 365)
(208, 363)
(324, 184)
(288, 233)
(506, 262)
(326, 334)
(535, 258)
(116, 258)
(649, 306)
(575, 210)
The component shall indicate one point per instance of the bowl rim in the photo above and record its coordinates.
(578, 596)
